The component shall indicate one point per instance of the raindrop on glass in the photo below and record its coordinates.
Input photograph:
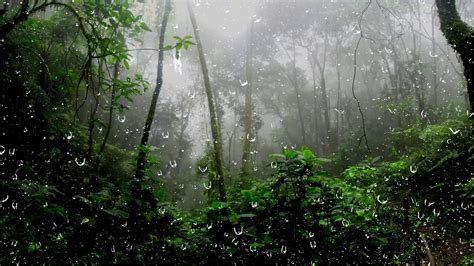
(173, 164)
(121, 118)
(80, 162)
(202, 169)
(239, 232)
(273, 165)
(69, 135)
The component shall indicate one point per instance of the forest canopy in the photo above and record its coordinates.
(244, 132)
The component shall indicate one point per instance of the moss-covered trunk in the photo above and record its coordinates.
(248, 134)
(461, 38)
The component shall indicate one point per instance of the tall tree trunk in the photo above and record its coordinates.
(294, 80)
(325, 99)
(248, 134)
(435, 60)
(215, 127)
(461, 38)
(141, 160)
(185, 110)
(316, 114)
(338, 99)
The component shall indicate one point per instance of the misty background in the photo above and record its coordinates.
(303, 91)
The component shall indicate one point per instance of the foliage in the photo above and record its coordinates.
(65, 197)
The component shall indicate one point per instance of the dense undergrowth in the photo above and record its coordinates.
(373, 213)
(59, 204)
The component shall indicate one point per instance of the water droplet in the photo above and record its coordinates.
(420, 216)
(173, 164)
(69, 135)
(454, 131)
(112, 249)
(202, 169)
(345, 222)
(283, 249)
(254, 204)
(165, 135)
(423, 114)
(159, 173)
(80, 162)
(381, 201)
(243, 83)
(209, 226)
(207, 185)
(239, 232)
(251, 139)
(253, 248)
(312, 244)
(273, 165)
(15, 205)
(5, 199)
(121, 118)
(413, 169)
(129, 247)
(124, 224)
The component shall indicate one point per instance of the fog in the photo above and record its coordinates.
(222, 132)
(405, 72)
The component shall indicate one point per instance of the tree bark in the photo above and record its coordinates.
(324, 96)
(215, 127)
(248, 134)
(461, 38)
(141, 160)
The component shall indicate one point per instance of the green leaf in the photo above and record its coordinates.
(168, 47)
(247, 215)
(126, 65)
(144, 26)
(307, 154)
(116, 212)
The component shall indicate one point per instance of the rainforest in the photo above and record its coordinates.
(236, 132)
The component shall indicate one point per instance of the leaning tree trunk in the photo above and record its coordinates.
(248, 107)
(141, 160)
(461, 38)
(215, 127)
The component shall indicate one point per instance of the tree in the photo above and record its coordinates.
(248, 106)
(461, 38)
(215, 127)
(140, 172)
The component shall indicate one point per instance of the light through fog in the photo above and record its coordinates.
(240, 132)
